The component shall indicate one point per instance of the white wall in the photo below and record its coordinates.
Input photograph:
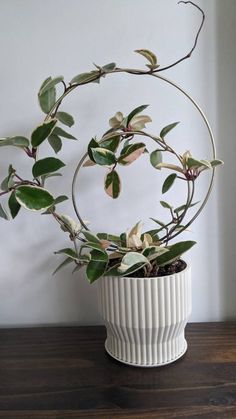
(52, 37)
(226, 93)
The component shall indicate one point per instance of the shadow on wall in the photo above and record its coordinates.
(226, 62)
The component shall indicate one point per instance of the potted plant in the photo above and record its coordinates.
(144, 285)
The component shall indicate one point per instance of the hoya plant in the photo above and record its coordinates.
(134, 252)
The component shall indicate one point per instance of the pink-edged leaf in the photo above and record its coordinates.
(112, 184)
(131, 153)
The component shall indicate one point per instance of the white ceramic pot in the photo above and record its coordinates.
(145, 318)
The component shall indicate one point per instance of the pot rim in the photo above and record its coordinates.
(188, 266)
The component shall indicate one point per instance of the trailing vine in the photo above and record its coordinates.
(102, 253)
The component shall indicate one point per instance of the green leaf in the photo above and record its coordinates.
(110, 133)
(14, 141)
(61, 133)
(14, 206)
(60, 199)
(93, 245)
(77, 268)
(166, 205)
(69, 225)
(90, 237)
(97, 265)
(131, 153)
(8, 182)
(111, 144)
(11, 170)
(47, 165)
(84, 258)
(68, 252)
(123, 250)
(4, 184)
(92, 144)
(132, 269)
(112, 184)
(50, 84)
(109, 237)
(33, 197)
(137, 110)
(113, 271)
(65, 118)
(152, 252)
(206, 164)
(170, 166)
(85, 77)
(55, 142)
(191, 162)
(64, 263)
(160, 223)
(103, 157)
(182, 207)
(168, 182)
(3, 213)
(42, 132)
(167, 129)
(175, 251)
(131, 259)
(125, 148)
(216, 162)
(156, 158)
(153, 233)
(48, 99)
(138, 122)
(150, 56)
(126, 143)
(109, 67)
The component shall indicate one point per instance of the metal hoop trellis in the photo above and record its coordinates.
(197, 107)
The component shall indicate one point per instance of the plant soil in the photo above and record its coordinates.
(170, 269)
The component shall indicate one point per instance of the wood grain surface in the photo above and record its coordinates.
(64, 372)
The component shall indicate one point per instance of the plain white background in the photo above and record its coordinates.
(52, 37)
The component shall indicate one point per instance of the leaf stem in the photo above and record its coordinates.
(68, 89)
(4, 192)
(180, 219)
(188, 55)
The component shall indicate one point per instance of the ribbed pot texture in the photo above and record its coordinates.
(145, 318)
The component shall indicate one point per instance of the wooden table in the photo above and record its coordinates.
(64, 372)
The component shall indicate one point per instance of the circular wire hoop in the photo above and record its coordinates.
(212, 141)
